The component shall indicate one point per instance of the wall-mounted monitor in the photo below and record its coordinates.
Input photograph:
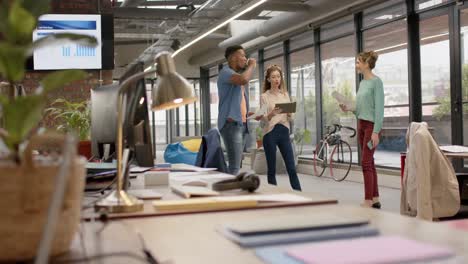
(72, 55)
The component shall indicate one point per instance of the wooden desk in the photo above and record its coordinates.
(265, 188)
(193, 238)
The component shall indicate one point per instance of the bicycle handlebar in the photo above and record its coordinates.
(339, 127)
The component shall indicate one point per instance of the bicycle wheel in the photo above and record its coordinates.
(340, 161)
(320, 159)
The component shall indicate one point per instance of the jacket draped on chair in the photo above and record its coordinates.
(430, 187)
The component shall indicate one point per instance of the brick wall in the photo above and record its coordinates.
(80, 90)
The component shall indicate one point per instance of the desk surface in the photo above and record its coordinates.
(193, 238)
(149, 211)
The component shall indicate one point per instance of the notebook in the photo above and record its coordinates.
(288, 223)
(300, 236)
(373, 250)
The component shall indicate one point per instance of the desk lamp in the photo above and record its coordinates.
(171, 91)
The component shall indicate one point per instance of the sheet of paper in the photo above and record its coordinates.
(344, 100)
(182, 166)
(138, 169)
(260, 111)
(454, 148)
(380, 249)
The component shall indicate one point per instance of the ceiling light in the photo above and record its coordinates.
(220, 25)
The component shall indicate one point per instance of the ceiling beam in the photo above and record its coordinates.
(154, 13)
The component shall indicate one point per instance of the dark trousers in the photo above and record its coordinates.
(279, 136)
(371, 188)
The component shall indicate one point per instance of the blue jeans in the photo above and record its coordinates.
(233, 134)
(279, 136)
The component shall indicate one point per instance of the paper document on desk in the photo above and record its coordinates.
(189, 168)
(454, 149)
(193, 191)
(380, 249)
(350, 105)
(260, 112)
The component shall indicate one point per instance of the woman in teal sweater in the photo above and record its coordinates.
(370, 113)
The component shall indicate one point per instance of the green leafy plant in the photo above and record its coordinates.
(21, 115)
(72, 117)
(301, 136)
(259, 133)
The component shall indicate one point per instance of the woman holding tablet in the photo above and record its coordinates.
(276, 126)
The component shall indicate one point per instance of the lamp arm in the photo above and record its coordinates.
(120, 110)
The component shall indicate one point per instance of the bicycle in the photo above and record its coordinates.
(335, 153)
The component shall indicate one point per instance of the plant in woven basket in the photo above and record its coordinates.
(20, 115)
(29, 181)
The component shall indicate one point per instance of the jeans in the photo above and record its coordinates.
(371, 187)
(279, 136)
(233, 134)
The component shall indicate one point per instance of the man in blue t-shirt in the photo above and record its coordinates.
(234, 103)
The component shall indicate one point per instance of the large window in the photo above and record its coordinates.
(389, 10)
(338, 74)
(435, 77)
(214, 101)
(303, 91)
(390, 42)
(424, 4)
(194, 111)
(464, 73)
(157, 119)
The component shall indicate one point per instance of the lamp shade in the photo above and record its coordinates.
(171, 89)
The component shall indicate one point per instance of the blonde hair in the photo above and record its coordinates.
(266, 82)
(369, 57)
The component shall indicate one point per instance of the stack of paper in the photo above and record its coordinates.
(350, 105)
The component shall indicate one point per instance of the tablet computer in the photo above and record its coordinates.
(287, 107)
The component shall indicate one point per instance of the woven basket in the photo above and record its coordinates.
(26, 192)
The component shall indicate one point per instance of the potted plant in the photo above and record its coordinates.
(28, 180)
(74, 117)
(259, 136)
(301, 136)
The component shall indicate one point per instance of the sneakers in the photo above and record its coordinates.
(376, 205)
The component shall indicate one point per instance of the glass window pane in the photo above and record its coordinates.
(276, 61)
(337, 28)
(159, 121)
(273, 50)
(464, 60)
(338, 74)
(213, 70)
(254, 104)
(214, 100)
(304, 39)
(194, 111)
(390, 41)
(423, 4)
(383, 12)
(435, 77)
(303, 91)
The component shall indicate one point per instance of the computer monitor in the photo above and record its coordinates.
(104, 120)
(137, 134)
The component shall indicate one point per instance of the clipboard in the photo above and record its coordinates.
(287, 107)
